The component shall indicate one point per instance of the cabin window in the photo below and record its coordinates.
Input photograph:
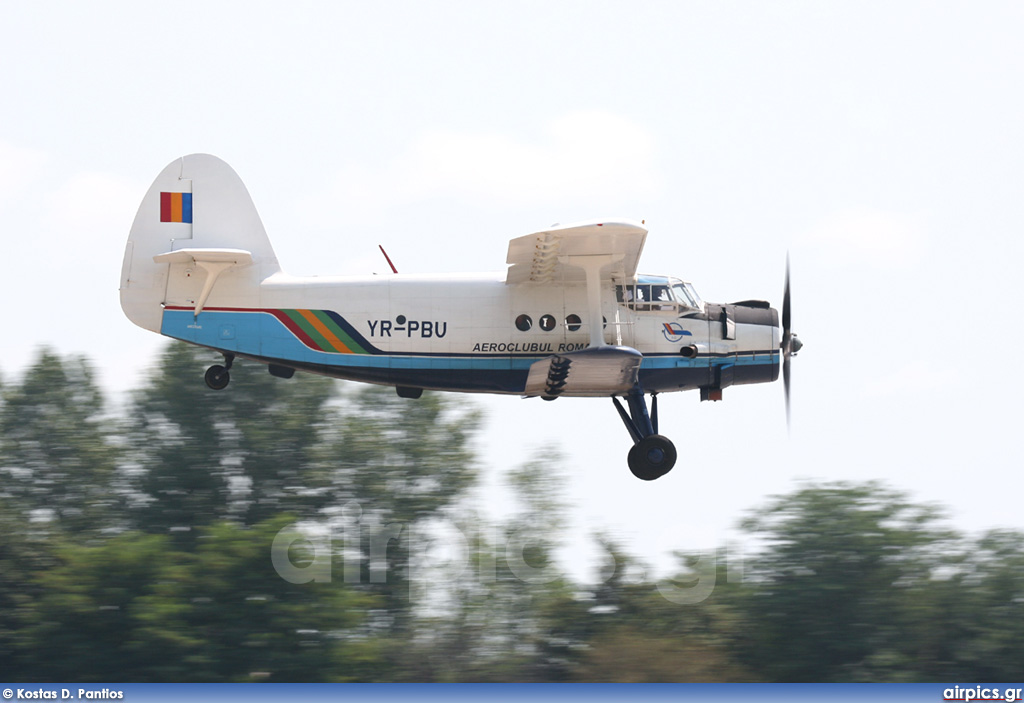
(524, 323)
(573, 322)
(657, 293)
(547, 322)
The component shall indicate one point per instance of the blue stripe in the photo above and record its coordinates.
(351, 332)
(262, 335)
(186, 207)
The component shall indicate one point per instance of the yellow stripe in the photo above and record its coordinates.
(327, 334)
(175, 207)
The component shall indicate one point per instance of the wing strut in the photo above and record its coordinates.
(592, 265)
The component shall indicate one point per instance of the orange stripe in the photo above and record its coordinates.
(175, 207)
(327, 334)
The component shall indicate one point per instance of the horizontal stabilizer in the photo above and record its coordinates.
(213, 261)
(593, 372)
(187, 256)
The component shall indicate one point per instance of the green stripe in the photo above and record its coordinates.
(314, 335)
(338, 332)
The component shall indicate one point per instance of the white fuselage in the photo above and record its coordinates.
(470, 332)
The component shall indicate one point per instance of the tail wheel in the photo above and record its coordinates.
(217, 377)
(652, 457)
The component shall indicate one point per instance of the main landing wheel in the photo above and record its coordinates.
(217, 377)
(652, 457)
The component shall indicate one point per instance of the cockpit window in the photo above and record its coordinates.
(658, 293)
(697, 301)
(683, 296)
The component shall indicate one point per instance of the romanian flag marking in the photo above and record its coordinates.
(176, 207)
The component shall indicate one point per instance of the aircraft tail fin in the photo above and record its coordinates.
(196, 210)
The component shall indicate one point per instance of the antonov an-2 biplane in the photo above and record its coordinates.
(569, 318)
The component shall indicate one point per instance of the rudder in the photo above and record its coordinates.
(197, 203)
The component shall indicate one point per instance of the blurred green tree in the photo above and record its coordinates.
(503, 610)
(140, 549)
(25, 550)
(372, 467)
(834, 593)
(982, 624)
(639, 634)
(80, 627)
(57, 454)
(401, 460)
(246, 453)
(136, 608)
(391, 466)
(245, 621)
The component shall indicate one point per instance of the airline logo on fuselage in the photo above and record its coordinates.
(673, 331)
(424, 329)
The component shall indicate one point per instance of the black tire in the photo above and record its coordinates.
(217, 377)
(652, 457)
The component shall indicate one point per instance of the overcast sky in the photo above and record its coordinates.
(878, 142)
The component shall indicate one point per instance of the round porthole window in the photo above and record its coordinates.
(547, 322)
(573, 323)
(524, 323)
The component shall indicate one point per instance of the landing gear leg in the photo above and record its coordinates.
(652, 455)
(217, 376)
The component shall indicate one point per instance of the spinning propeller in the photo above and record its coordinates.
(791, 344)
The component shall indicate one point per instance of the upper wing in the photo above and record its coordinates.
(535, 257)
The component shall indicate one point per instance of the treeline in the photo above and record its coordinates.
(147, 545)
